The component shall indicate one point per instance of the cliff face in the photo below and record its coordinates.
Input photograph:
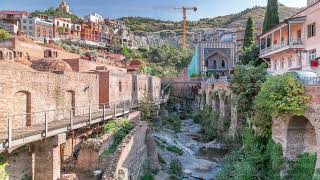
(151, 32)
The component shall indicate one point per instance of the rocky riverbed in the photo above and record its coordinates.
(200, 160)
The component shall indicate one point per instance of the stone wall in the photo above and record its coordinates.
(129, 157)
(25, 91)
(19, 164)
(300, 134)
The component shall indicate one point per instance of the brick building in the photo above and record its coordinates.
(10, 20)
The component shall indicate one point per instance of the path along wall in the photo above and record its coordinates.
(300, 134)
(27, 92)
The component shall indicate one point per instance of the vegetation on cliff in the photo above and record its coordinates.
(55, 13)
(141, 24)
(160, 61)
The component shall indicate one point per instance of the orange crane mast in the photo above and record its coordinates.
(184, 15)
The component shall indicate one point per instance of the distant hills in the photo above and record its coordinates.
(142, 25)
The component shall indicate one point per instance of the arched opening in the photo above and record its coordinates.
(10, 56)
(223, 64)
(1, 55)
(23, 106)
(301, 137)
(71, 101)
(217, 103)
(207, 63)
(214, 64)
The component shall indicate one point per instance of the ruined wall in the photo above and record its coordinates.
(120, 86)
(300, 134)
(24, 92)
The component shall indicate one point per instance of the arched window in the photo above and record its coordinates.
(223, 64)
(1, 55)
(23, 106)
(120, 86)
(214, 64)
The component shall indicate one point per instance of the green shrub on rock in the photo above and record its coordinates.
(302, 168)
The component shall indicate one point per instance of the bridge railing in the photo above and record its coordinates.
(47, 122)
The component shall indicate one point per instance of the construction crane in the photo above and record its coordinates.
(184, 15)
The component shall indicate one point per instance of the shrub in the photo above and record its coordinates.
(119, 129)
(175, 150)
(279, 95)
(4, 35)
(174, 123)
(3, 165)
(303, 168)
(208, 119)
(175, 170)
(275, 159)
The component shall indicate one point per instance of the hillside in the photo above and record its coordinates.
(139, 24)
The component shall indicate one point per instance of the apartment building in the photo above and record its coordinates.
(64, 28)
(10, 20)
(294, 44)
(36, 27)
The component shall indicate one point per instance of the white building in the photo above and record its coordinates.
(94, 17)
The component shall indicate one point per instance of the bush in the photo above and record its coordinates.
(119, 129)
(176, 170)
(208, 119)
(174, 123)
(4, 35)
(3, 165)
(175, 150)
(275, 159)
(303, 168)
(279, 95)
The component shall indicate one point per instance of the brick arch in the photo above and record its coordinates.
(217, 102)
(301, 136)
(23, 106)
(227, 107)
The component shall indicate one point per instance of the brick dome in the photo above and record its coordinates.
(51, 64)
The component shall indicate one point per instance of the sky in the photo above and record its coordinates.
(158, 9)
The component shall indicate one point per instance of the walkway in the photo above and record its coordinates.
(16, 137)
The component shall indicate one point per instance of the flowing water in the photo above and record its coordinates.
(200, 160)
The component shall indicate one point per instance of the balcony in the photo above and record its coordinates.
(297, 43)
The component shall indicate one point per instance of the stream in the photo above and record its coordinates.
(200, 160)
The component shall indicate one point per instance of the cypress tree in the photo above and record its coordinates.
(271, 16)
(249, 39)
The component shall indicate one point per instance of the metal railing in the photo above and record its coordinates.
(310, 81)
(283, 44)
(44, 124)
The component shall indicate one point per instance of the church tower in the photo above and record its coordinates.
(64, 7)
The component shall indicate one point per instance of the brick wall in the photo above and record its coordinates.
(30, 91)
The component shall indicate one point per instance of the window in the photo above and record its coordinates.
(134, 86)
(24, 27)
(275, 65)
(312, 54)
(120, 86)
(30, 27)
(38, 29)
(223, 64)
(58, 23)
(290, 62)
(282, 64)
(30, 21)
(311, 30)
(24, 21)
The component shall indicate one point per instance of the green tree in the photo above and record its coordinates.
(279, 95)
(245, 85)
(249, 36)
(271, 16)
(4, 35)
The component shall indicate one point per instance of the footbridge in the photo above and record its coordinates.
(51, 123)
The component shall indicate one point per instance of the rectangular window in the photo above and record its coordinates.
(30, 27)
(120, 86)
(282, 64)
(275, 65)
(312, 54)
(24, 21)
(311, 30)
(24, 27)
(58, 23)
